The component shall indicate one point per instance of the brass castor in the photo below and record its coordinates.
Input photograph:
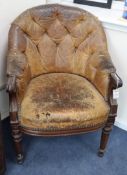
(101, 153)
(20, 159)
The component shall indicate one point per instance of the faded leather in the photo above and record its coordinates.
(17, 64)
(58, 39)
(62, 101)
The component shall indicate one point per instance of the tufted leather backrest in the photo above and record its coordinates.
(60, 38)
(56, 38)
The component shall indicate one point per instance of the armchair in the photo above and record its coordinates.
(60, 75)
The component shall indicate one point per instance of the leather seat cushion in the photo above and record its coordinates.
(58, 101)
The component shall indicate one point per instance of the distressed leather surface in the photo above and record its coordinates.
(57, 39)
(61, 101)
(17, 63)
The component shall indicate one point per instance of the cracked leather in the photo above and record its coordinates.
(55, 38)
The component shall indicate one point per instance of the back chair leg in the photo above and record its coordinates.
(107, 128)
(17, 138)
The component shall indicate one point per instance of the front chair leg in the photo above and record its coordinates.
(17, 138)
(104, 140)
(108, 128)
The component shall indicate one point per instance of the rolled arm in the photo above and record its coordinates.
(115, 81)
(18, 71)
(101, 72)
(11, 84)
(18, 74)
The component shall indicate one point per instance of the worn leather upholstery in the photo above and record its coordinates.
(62, 101)
(58, 39)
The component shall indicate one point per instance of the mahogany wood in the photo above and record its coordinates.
(60, 132)
(115, 82)
(16, 132)
(2, 155)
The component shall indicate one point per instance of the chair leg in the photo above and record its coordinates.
(107, 129)
(104, 140)
(17, 139)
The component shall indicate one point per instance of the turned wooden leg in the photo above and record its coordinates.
(17, 137)
(104, 140)
(107, 128)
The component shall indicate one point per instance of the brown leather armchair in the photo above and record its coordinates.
(60, 75)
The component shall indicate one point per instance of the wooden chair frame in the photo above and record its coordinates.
(114, 83)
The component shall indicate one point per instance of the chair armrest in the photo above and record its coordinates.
(98, 71)
(11, 84)
(115, 81)
(18, 72)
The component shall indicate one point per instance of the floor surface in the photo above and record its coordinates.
(71, 155)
